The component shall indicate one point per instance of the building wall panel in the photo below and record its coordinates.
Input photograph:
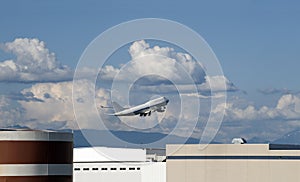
(232, 163)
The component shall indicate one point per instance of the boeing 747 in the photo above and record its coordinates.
(145, 109)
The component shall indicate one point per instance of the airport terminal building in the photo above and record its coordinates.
(233, 163)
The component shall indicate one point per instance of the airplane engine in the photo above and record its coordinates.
(162, 109)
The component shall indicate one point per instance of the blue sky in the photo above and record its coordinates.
(256, 42)
(245, 35)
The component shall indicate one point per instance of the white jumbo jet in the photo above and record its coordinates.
(145, 109)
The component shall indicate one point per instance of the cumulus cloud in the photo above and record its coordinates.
(287, 108)
(167, 62)
(161, 66)
(265, 123)
(33, 63)
(216, 83)
(50, 105)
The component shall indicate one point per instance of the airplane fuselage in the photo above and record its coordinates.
(145, 109)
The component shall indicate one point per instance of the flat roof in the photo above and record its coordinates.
(238, 150)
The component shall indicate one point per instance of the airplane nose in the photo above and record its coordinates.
(167, 100)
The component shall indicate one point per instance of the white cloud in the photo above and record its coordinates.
(287, 108)
(217, 83)
(33, 63)
(56, 108)
(10, 116)
(164, 61)
(167, 64)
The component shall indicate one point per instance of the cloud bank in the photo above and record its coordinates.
(287, 108)
(49, 104)
(57, 104)
(33, 63)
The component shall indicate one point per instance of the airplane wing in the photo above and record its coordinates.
(148, 110)
(144, 111)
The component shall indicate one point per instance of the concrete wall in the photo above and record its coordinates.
(232, 163)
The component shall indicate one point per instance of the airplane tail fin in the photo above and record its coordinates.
(117, 107)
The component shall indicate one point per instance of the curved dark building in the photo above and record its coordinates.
(32, 155)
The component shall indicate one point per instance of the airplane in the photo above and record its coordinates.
(145, 109)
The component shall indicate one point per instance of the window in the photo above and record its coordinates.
(122, 168)
(103, 169)
(131, 168)
(86, 169)
(113, 168)
(95, 169)
(77, 169)
(138, 168)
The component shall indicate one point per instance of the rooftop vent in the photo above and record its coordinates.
(238, 141)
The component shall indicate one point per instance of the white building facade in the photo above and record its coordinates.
(116, 165)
